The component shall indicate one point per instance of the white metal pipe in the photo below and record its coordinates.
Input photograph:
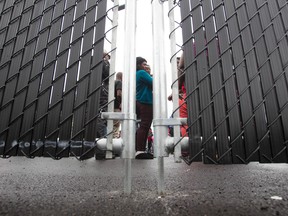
(128, 175)
(161, 184)
(170, 121)
(175, 87)
(169, 144)
(129, 90)
(117, 145)
(111, 96)
(159, 89)
(183, 144)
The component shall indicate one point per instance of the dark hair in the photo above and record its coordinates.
(139, 61)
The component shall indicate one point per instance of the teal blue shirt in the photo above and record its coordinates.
(144, 84)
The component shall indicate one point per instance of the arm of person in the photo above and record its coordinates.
(146, 78)
(119, 93)
(181, 74)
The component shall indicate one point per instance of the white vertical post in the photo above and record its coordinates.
(175, 91)
(129, 92)
(109, 146)
(159, 89)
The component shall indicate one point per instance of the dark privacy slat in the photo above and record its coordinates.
(191, 85)
(42, 68)
(5, 18)
(38, 8)
(267, 81)
(206, 108)
(256, 96)
(12, 30)
(47, 86)
(2, 3)
(95, 80)
(15, 65)
(230, 60)
(252, 90)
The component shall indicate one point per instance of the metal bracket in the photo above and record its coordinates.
(169, 122)
(118, 116)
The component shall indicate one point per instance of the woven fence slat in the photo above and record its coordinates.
(192, 92)
(220, 133)
(95, 78)
(206, 108)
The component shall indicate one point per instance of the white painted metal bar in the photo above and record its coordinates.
(159, 89)
(109, 153)
(175, 91)
(129, 91)
(116, 145)
(167, 122)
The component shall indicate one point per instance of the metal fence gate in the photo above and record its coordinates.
(236, 58)
(50, 67)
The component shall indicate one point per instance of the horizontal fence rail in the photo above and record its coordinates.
(82, 150)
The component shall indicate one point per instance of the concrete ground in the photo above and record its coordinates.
(43, 186)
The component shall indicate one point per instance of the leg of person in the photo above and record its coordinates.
(150, 146)
(145, 112)
(183, 114)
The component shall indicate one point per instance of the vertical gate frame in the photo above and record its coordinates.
(128, 114)
(129, 82)
(109, 153)
(162, 147)
(159, 90)
(175, 86)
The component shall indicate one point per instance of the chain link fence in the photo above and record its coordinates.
(236, 78)
(235, 56)
(51, 66)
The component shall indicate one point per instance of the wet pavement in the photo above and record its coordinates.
(43, 186)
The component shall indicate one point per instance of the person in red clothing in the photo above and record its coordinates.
(182, 95)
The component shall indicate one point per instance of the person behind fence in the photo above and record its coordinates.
(182, 95)
(117, 103)
(101, 130)
(102, 123)
(144, 107)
